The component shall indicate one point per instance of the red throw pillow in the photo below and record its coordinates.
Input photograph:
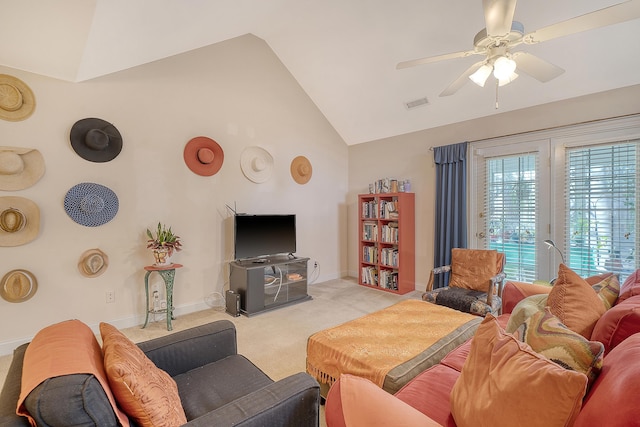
(630, 287)
(618, 324)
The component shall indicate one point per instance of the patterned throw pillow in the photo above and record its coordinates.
(547, 336)
(608, 290)
(525, 309)
(146, 393)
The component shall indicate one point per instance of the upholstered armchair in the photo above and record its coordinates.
(475, 283)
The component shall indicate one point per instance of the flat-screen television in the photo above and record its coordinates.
(258, 236)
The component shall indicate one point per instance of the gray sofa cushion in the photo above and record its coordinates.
(212, 386)
(71, 400)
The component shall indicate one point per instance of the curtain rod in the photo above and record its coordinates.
(548, 128)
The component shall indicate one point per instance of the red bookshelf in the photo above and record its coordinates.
(386, 239)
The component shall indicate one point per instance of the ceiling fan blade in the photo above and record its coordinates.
(498, 16)
(428, 60)
(600, 18)
(537, 68)
(460, 81)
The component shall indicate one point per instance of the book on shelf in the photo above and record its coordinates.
(370, 254)
(370, 276)
(390, 185)
(389, 256)
(388, 279)
(388, 209)
(370, 209)
(389, 233)
(370, 231)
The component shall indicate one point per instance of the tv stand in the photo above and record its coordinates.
(268, 283)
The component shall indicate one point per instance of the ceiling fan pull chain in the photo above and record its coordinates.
(497, 86)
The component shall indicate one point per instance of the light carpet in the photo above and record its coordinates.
(276, 341)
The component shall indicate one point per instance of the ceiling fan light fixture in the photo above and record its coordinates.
(481, 75)
(503, 68)
(512, 77)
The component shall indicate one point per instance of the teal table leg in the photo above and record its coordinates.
(146, 291)
(168, 277)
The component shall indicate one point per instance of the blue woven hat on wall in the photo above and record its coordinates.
(91, 204)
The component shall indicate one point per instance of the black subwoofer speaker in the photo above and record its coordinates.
(233, 303)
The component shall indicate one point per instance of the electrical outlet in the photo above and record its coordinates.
(110, 296)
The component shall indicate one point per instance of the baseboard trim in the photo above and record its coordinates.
(7, 347)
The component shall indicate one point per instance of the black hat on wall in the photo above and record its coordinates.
(96, 140)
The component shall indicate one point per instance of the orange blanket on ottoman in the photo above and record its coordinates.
(372, 345)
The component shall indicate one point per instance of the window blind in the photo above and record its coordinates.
(511, 200)
(601, 195)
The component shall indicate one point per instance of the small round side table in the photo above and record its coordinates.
(168, 273)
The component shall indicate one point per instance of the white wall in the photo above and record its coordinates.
(409, 157)
(236, 92)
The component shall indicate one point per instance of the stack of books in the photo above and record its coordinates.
(390, 185)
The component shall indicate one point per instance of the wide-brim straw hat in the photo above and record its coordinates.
(93, 263)
(95, 140)
(20, 168)
(19, 221)
(17, 101)
(256, 164)
(18, 285)
(301, 170)
(203, 156)
(91, 204)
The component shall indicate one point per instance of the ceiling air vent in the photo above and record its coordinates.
(416, 103)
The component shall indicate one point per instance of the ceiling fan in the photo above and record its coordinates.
(502, 34)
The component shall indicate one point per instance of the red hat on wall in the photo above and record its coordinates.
(203, 156)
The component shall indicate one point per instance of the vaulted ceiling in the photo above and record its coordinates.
(342, 52)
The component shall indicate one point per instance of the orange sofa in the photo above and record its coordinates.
(470, 386)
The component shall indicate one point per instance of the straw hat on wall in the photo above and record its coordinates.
(93, 263)
(18, 285)
(17, 101)
(20, 168)
(256, 164)
(19, 221)
(301, 170)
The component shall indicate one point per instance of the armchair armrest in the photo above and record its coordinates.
(11, 391)
(495, 286)
(291, 402)
(514, 292)
(437, 270)
(185, 350)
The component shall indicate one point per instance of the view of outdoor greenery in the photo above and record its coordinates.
(600, 197)
(601, 203)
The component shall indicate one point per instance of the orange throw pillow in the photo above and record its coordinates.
(504, 382)
(147, 394)
(364, 404)
(575, 302)
(473, 269)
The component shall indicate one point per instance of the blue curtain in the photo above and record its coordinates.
(451, 205)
